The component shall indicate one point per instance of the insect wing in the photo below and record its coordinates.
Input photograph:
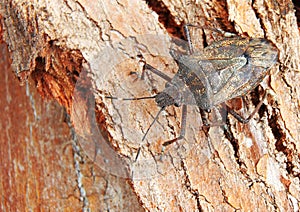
(219, 72)
(206, 72)
(224, 49)
(260, 55)
(221, 59)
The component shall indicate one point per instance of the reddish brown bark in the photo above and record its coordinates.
(63, 45)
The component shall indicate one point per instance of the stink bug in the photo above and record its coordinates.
(223, 70)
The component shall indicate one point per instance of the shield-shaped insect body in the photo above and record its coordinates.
(223, 70)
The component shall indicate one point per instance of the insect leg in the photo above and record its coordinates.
(157, 72)
(182, 127)
(242, 119)
(220, 31)
(188, 36)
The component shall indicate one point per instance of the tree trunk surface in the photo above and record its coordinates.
(89, 152)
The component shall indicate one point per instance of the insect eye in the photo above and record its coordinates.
(176, 104)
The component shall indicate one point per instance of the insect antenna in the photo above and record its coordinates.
(134, 98)
(163, 108)
(140, 98)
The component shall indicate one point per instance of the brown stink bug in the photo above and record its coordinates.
(223, 70)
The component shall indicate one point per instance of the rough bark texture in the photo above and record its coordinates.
(74, 51)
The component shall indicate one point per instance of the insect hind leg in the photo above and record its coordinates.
(246, 120)
(215, 118)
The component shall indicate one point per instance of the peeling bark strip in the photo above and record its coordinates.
(56, 72)
(53, 69)
(257, 170)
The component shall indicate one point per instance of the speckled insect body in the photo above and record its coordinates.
(224, 70)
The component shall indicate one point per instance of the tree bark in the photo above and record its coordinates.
(79, 52)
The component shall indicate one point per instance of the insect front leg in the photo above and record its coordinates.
(155, 71)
